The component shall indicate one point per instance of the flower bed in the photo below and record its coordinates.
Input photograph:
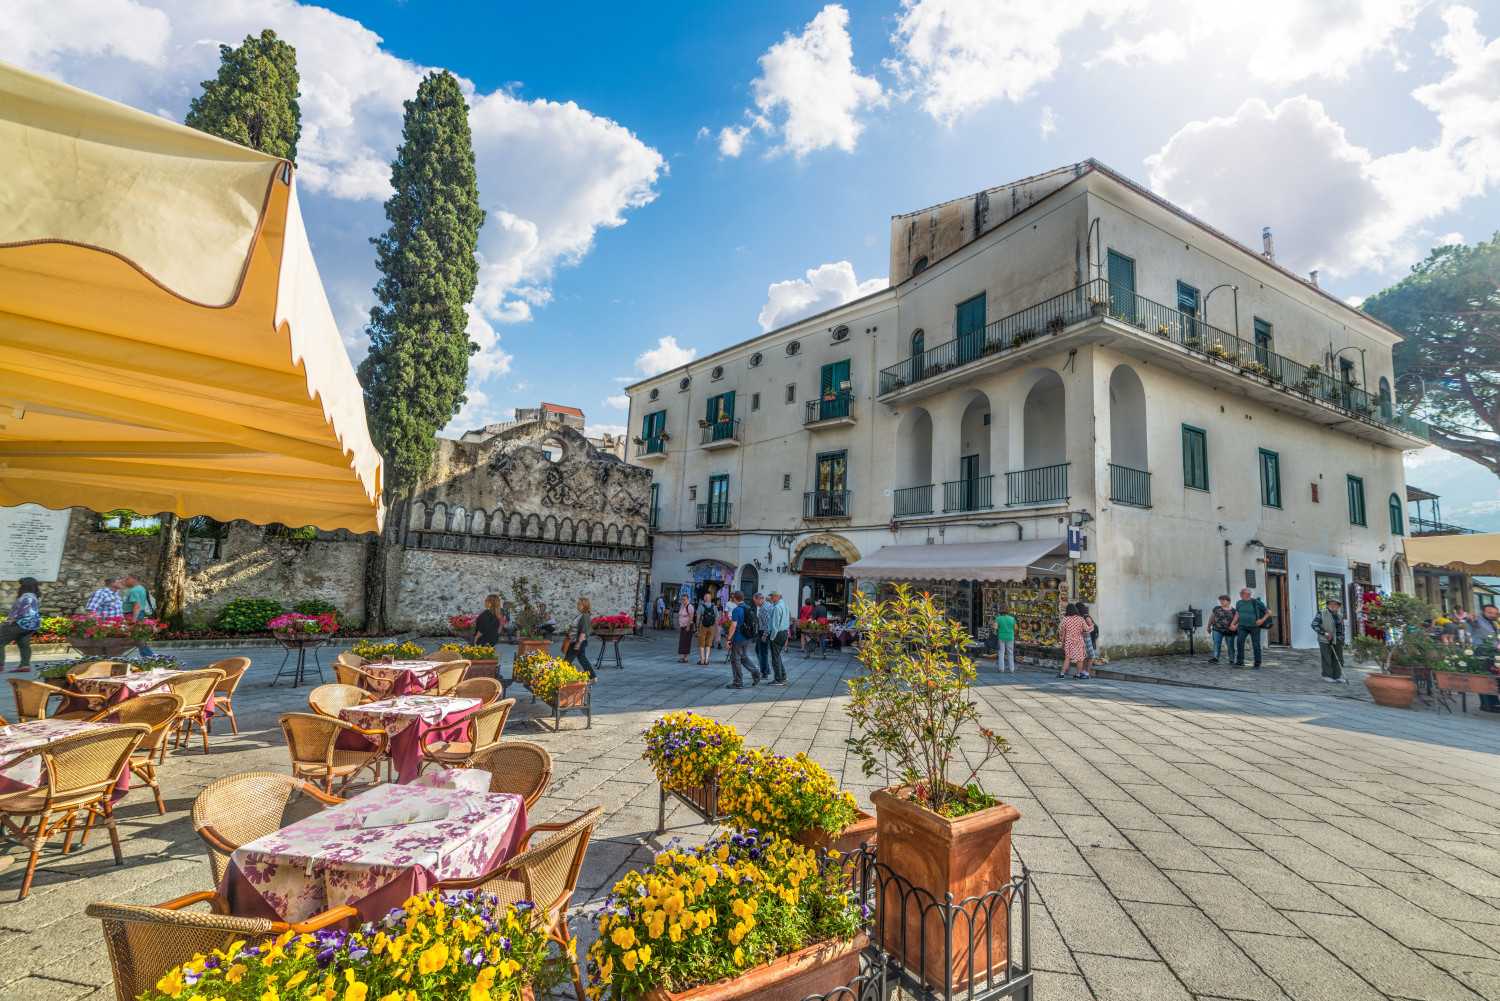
(706, 914)
(94, 627)
(686, 749)
(437, 946)
(612, 623)
(783, 796)
(814, 628)
(304, 625)
(395, 651)
(471, 653)
(1478, 659)
(526, 664)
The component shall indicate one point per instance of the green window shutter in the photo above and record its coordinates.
(833, 375)
(726, 404)
(1270, 478)
(1187, 299)
(1398, 519)
(1356, 488)
(1121, 273)
(1194, 457)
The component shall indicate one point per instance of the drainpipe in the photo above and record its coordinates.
(1226, 568)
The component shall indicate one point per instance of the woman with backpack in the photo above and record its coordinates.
(24, 619)
(708, 623)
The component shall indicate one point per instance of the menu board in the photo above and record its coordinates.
(31, 542)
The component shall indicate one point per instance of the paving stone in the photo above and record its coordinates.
(1275, 883)
(1480, 975)
(1307, 861)
(1385, 963)
(1129, 875)
(1203, 957)
(1229, 904)
(1172, 851)
(1304, 969)
(1113, 978)
(1405, 921)
(1090, 920)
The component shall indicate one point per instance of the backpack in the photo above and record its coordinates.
(706, 616)
(750, 626)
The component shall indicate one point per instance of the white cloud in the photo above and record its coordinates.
(600, 430)
(1165, 46)
(1331, 203)
(809, 91)
(621, 402)
(825, 287)
(1300, 39)
(1048, 123)
(666, 355)
(490, 359)
(38, 34)
(476, 412)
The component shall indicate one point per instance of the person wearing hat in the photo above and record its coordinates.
(781, 621)
(1329, 625)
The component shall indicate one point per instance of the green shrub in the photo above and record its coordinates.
(249, 615)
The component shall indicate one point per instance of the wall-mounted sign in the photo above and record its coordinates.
(1075, 542)
(31, 542)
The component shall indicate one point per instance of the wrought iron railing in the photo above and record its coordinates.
(1100, 298)
(1427, 526)
(973, 494)
(715, 515)
(1129, 486)
(650, 446)
(1037, 486)
(829, 408)
(825, 504)
(721, 431)
(912, 500)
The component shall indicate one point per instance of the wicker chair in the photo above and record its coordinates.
(327, 700)
(234, 811)
(234, 669)
(195, 687)
(311, 740)
(101, 669)
(350, 659)
(81, 772)
(483, 733)
(548, 878)
(381, 688)
(145, 943)
(156, 710)
(449, 675)
(486, 690)
(443, 656)
(345, 674)
(32, 696)
(518, 767)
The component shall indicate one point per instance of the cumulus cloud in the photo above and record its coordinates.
(1165, 46)
(1048, 122)
(621, 402)
(1298, 39)
(825, 287)
(666, 355)
(1332, 204)
(809, 92)
(600, 430)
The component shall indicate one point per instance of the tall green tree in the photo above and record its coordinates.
(1448, 366)
(418, 363)
(253, 101)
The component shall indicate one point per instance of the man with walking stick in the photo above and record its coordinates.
(1329, 625)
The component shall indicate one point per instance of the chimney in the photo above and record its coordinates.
(1312, 276)
(1269, 248)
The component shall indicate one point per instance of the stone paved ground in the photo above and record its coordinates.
(1186, 842)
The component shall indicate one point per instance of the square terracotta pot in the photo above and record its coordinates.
(967, 857)
(523, 647)
(815, 970)
(861, 832)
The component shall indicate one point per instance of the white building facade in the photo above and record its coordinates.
(1065, 351)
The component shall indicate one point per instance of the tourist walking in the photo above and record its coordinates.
(781, 621)
(105, 602)
(708, 618)
(1250, 616)
(138, 605)
(1090, 640)
(1486, 632)
(803, 615)
(1005, 637)
(24, 619)
(1329, 625)
(684, 627)
(1221, 628)
(1072, 628)
(738, 633)
(661, 611)
(762, 634)
(576, 640)
(487, 623)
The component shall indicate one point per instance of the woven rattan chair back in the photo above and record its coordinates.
(145, 943)
(310, 737)
(154, 709)
(449, 675)
(31, 697)
(488, 722)
(97, 669)
(88, 764)
(240, 809)
(195, 687)
(550, 870)
(345, 674)
(327, 700)
(364, 679)
(443, 656)
(351, 659)
(516, 766)
(234, 669)
(486, 690)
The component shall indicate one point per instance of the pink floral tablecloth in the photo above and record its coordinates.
(118, 689)
(19, 775)
(328, 861)
(408, 720)
(411, 677)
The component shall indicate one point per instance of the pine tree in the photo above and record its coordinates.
(254, 99)
(418, 363)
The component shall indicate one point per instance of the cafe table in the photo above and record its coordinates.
(410, 721)
(408, 677)
(18, 772)
(376, 849)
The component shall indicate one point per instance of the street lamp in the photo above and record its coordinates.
(1365, 383)
(1236, 304)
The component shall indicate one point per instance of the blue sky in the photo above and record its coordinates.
(693, 172)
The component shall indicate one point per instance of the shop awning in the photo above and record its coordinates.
(1468, 554)
(1011, 560)
(165, 341)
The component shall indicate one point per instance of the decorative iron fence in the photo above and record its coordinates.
(1037, 486)
(912, 500)
(825, 504)
(722, 431)
(715, 515)
(1129, 486)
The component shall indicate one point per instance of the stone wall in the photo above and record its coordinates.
(89, 556)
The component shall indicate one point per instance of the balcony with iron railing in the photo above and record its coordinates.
(654, 447)
(830, 410)
(972, 494)
(1129, 486)
(912, 500)
(1097, 300)
(1427, 526)
(715, 514)
(721, 433)
(819, 504)
(1042, 485)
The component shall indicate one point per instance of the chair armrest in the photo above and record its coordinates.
(318, 794)
(214, 838)
(323, 920)
(534, 828)
(210, 896)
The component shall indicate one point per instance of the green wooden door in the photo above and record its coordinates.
(969, 327)
(833, 398)
(1121, 287)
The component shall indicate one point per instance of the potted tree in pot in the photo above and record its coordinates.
(1400, 616)
(525, 597)
(938, 831)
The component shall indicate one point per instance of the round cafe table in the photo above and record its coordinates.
(410, 721)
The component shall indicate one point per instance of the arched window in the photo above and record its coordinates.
(918, 349)
(1398, 515)
(1385, 390)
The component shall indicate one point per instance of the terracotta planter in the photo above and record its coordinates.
(573, 695)
(523, 647)
(817, 969)
(861, 832)
(482, 669)
(105, 649)
(1390, 690)
(611, 634)
(967, 857)
(1463, 681)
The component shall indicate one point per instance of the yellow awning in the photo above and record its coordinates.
(165, 341)
(1469, 554)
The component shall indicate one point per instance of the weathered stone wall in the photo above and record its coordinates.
(89, 556)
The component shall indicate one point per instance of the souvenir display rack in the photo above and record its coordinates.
(1036, 603)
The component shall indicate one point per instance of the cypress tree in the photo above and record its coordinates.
(418, 363)
(253, 101)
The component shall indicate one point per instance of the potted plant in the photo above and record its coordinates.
(703, 422)
(1469, 669)
(1400, 616)
(105, 636)
(557, 683)
(482, 660)
(793, 798)
(686, 752)
(462, 625)
(436, 945)
(1056, 325)
(740, 917)
(370, 650)
(638, 440)
(1097, 305)
(938, 831)
(664, 436)
(525, 597)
